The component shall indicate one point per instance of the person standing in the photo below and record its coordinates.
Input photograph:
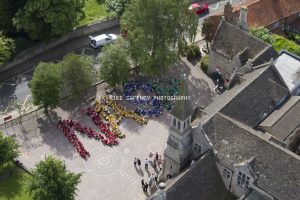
(135, 161)
(156, 178)
(156, 156)
(143, 185)
(146, 164)
(154, 165)
(159, 163)
(139, 163)
(146, 187)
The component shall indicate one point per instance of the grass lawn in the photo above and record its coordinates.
(13, 187)
(93, 11)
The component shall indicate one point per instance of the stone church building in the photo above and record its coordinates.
(223, 155)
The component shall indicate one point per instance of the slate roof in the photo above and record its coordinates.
(183, 108)
(201, 181)
(265, 12)
(258, 99)
(264, 56)
(285, 120)
(276, 169)
(230, 40)
(253, 195)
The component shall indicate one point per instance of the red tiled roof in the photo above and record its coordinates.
(266, 12)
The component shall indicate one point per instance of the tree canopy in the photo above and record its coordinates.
(46, 85)
(155, 31)
(6, 48)
(262, 33)
(52, 181)
(8, 149)
(8, 9)
(115, 67)
(207, 31)
(76, 73)
(116, 7)
(48, 18)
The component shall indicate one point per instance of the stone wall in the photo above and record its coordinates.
(77, 32)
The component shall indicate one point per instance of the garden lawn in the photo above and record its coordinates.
(13, 187)
(93, 11)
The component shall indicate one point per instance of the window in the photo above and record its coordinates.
(178, 124)
(226, 173)
(197, 148)
(174, 122)
(243, 180)
(184, 125)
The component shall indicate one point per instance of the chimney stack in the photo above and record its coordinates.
(243, 18)
(228, 14)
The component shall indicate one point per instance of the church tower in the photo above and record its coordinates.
(179, 145)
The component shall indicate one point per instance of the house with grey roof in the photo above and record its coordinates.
(284, 124)
(234, 51)
(227, 154)
(258, 100)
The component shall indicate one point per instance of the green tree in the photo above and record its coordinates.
(48, 18)
(262, 33)
(8, 9)
(46, 85)
(8, 150)
(155, 31)
(207, 31)
(116, 7)
(115, 67)
(76, 73)
(52, 181)
(6, 49)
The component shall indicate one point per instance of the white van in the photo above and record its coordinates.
(102, 40)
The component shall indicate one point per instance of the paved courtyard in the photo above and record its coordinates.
(109, 173)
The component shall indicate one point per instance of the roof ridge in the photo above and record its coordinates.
(241, 88)
(255, 133)
(183, 173)
(248, 34)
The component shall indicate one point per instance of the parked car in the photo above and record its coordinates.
(199, 8)
(102, 40)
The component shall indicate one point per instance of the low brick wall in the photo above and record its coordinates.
(77, 32)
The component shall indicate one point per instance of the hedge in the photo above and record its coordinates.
(204, 63)
(283, 43)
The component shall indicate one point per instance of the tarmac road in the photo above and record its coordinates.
(55, 53)
(72, 45)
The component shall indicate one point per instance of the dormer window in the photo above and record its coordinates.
(243, 180)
